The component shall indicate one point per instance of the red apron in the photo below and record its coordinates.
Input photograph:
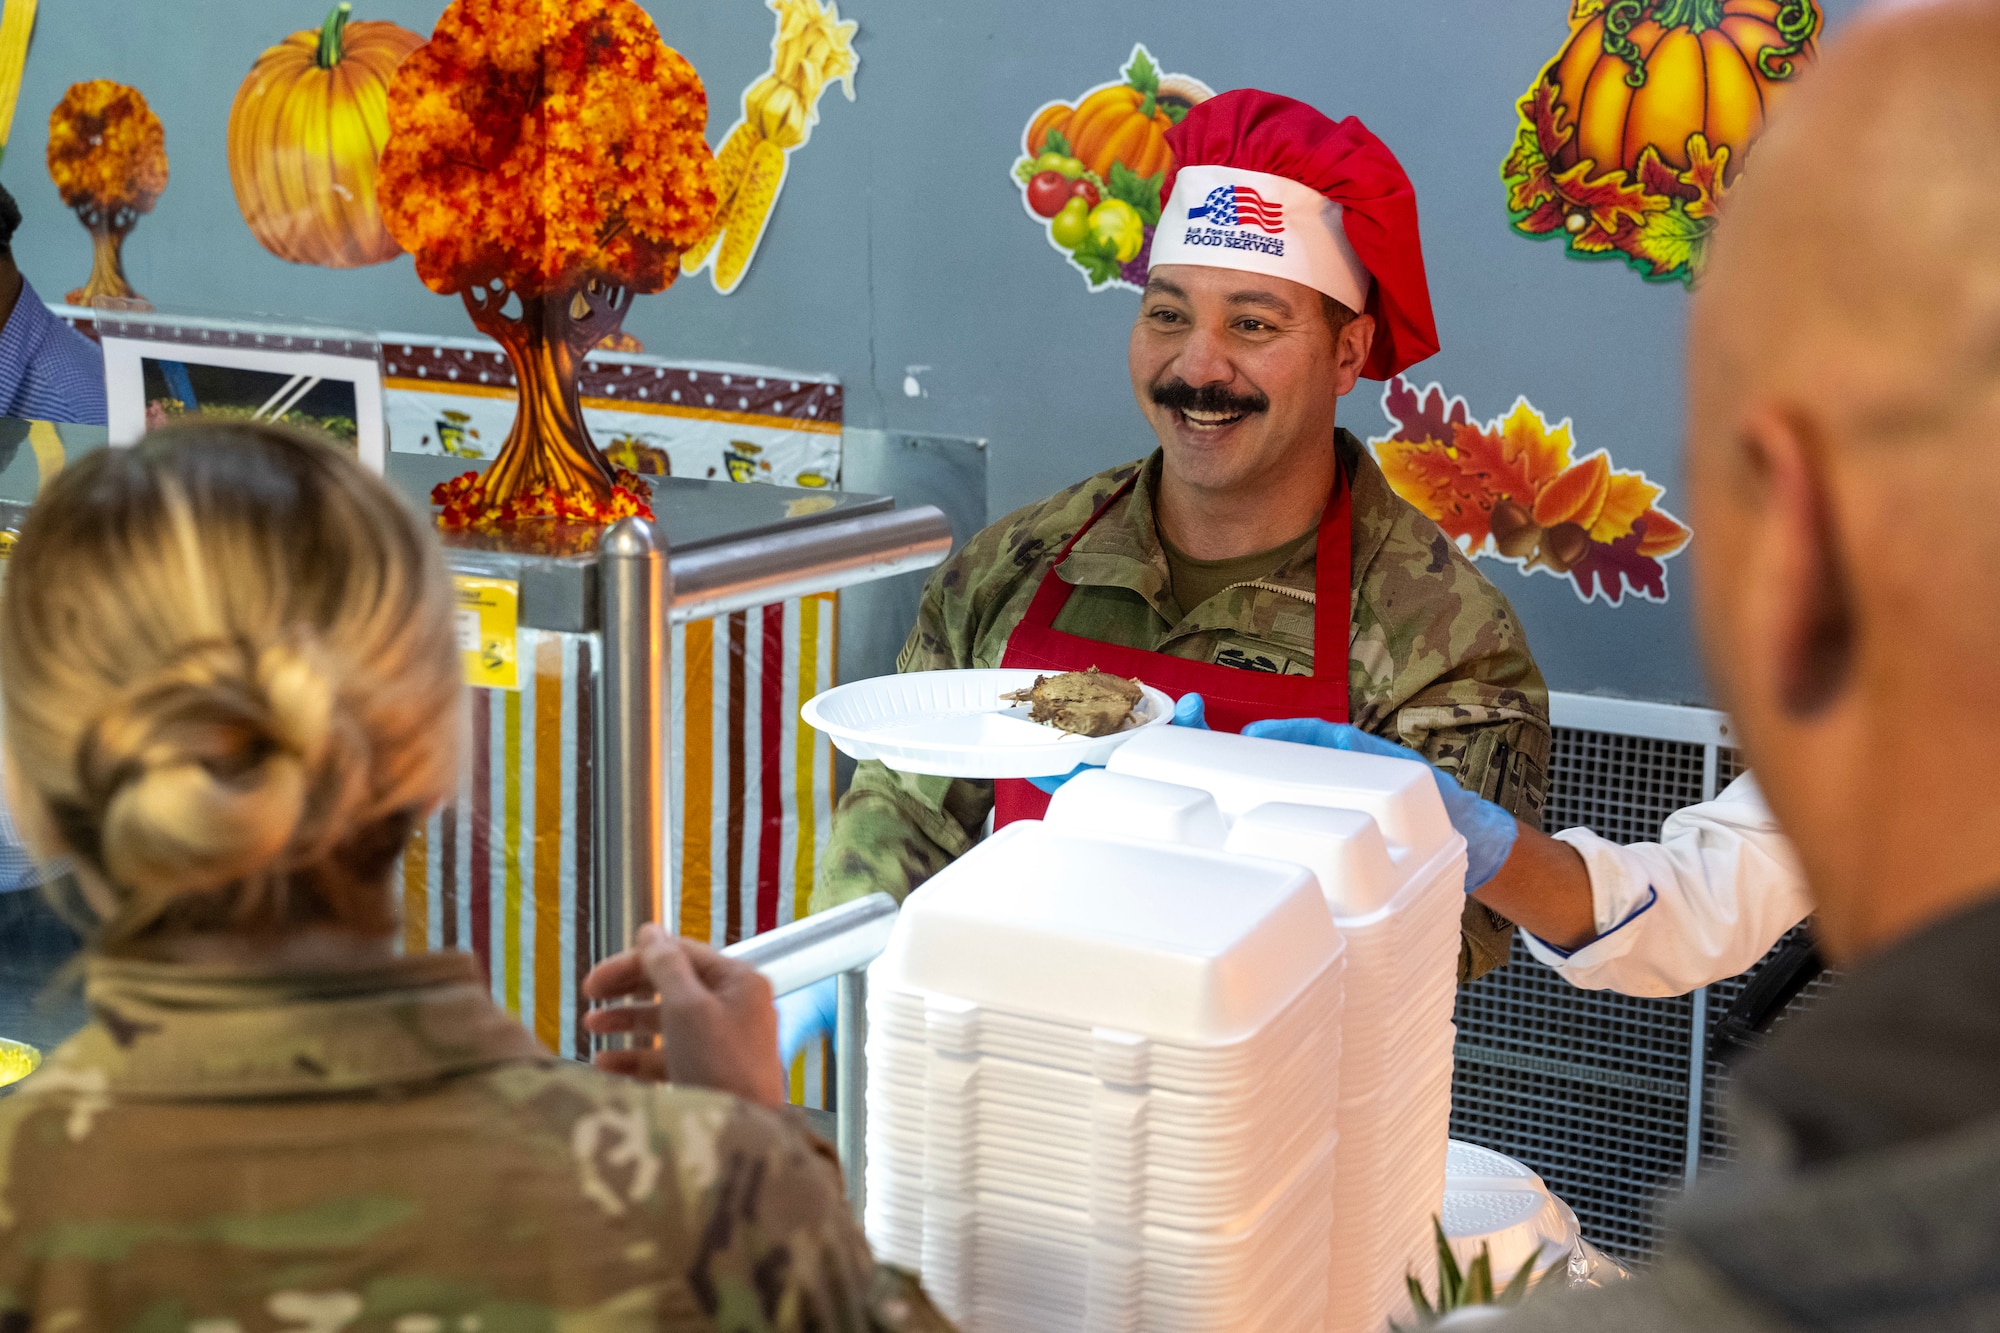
(1235, 697)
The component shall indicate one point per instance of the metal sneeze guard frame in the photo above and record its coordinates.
(641, 590)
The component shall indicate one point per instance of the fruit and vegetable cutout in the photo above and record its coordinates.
(108, 158)
(1511, 488)
(305, 139)
(1092, 170)
(1633, 134)
(17, 24)
(810, 49)
(546, 162)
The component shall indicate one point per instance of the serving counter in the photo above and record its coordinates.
(643, 758)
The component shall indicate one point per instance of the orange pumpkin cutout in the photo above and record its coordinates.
(305, 141)
(1121, 123)
(1104, 159)
(1631, 136)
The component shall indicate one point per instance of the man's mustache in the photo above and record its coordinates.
(1178, 395)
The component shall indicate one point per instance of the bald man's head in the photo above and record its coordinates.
(1864, 230)
(1844, 454)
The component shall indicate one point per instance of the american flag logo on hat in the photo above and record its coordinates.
(1240, 206)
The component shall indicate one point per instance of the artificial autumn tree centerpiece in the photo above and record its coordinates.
(108, 158)
(546, 161)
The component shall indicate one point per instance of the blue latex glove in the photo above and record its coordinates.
(804, 1015)
(1489, 830)
(1189, 711)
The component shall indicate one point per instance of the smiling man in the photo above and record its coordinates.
(1258, 557)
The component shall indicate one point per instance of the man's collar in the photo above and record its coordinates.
(1126, 552)
(176, 1033)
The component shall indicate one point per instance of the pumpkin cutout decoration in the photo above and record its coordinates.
(1091, 170)
(1120, 123)
(305, 139)
(1631, 136)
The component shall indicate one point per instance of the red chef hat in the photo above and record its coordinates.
(1268, 184)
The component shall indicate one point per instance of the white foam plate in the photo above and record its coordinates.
(953, 724)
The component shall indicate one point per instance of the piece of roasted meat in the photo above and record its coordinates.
(1088, 703)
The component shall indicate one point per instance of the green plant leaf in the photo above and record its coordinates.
(1451, 1283)
(1142, 73)
(1517, 1285)
(1479, 1279)
(1142, 192)
(1418, 1301)
(1175, 111)
(1055, 141)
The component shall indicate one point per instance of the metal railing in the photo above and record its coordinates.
(840, 942)
(838, 554)
(641, 589)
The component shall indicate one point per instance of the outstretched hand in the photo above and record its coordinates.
(1489, 830)
(713, 1015)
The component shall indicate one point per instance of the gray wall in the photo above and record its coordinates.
(899, 240)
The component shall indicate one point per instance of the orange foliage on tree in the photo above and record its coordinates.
(108, 158)
(547, 162)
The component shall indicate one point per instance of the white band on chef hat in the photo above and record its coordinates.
(1224, 217)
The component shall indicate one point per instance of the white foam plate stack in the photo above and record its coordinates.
(1099, 1074)
(1375, 835)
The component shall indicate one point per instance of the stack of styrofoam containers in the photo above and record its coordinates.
(1375, 833)
(1098, 1077)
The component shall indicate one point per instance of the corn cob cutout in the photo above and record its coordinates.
(811, 49)
(17, 21)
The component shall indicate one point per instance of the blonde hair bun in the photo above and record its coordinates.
(218, 768)
(229, 673)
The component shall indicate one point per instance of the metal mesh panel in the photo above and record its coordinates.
(1718, 1145)
(1729, 765)
(1587, 1087)
(1619, 787)
(1593, 1089)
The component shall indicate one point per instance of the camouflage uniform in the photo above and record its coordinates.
(1436, 661)
(221, 1152)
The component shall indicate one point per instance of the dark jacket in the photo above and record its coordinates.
(1868, 1200)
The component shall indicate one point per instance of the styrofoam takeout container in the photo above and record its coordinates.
(953, 724)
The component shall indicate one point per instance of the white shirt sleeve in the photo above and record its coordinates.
(1702, 904)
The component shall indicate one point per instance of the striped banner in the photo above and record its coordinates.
(504, 870)
(755, 785)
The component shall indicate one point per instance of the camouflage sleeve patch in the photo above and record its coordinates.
(777, 1247)
(892, 831)
(1504, 759)
(1485, 940)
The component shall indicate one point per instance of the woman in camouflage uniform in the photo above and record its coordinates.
(231, 691)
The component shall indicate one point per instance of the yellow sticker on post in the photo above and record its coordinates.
(489, 631)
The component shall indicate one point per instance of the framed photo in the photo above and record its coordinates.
(149, 382)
